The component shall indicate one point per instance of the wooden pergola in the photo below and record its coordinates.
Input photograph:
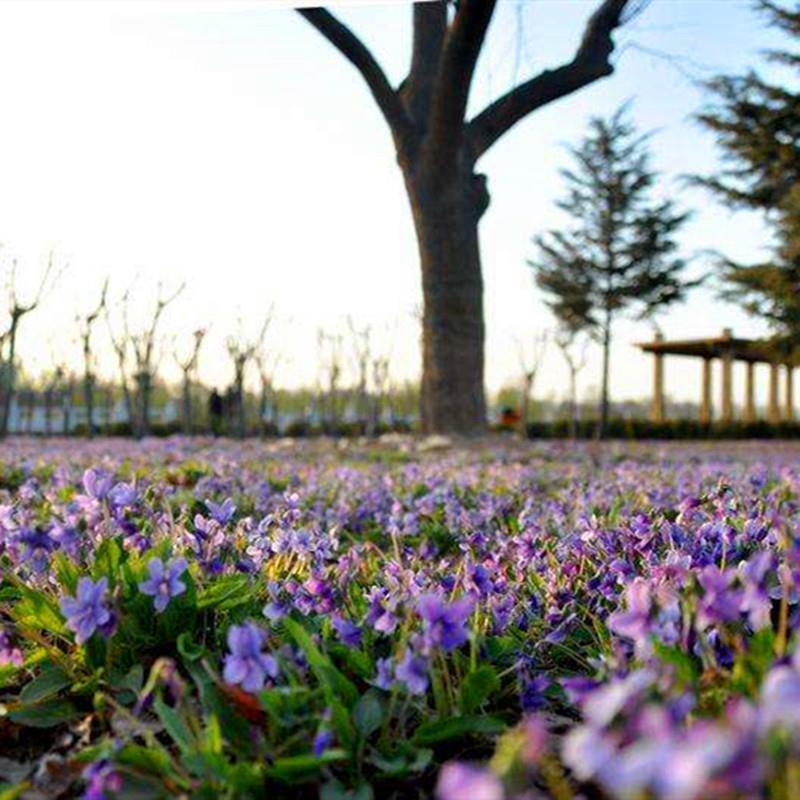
(728, 348)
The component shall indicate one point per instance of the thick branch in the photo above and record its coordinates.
(354, 50)
(462, 46)
(591, 62)
(430, 27)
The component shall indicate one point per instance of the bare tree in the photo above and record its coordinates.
(86, 324)
(51, 387)
(381, 389)
(566, 340)
(437, 149)
(242, 353)
(530, 363)
(108, 408)
(145, 357)
(188, 367)
(17, 310)
(67, 397)
(330, 366)
(120, 343)
(361, 353)
(267, 362)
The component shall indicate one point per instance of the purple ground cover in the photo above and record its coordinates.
(218, 619)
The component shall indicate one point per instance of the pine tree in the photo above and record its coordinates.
(757, 125)
(620, 254)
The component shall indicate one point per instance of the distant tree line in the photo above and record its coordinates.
(355, 391)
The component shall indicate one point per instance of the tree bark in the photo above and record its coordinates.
(446, 222)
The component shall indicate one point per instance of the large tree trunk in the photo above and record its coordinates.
(446, 223)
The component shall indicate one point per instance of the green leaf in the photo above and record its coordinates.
(13, 792)
(686, 667)
(188, 648)
(368, 714)
(47, 683)
(66, 572)
(36, 610)
(294, 767)
(442, 730)
(327, 674)
(213, 735)
(107, 560)
(341, 723)
(152, 760)
(335, 790)
(44, 715)
(225, 593)
(174, 725)
(478, 687)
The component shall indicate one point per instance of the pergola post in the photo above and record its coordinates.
(750, 393)
(657, 411)
(705, 399)
(788, 411)
(727, 388)
(773, 408)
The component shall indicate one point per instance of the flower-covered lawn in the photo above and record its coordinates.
(218, 619)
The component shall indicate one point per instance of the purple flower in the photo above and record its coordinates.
(9, 655)
(780, 699)
(445, 624)
(412, 670)
(246, 664)
(123, 495)
(465, 782)
(532, 697)
(87, 612)
(719, 603)
(322, 742)
(383, 679)
(97, 483)
(221, 513)
(347, 631)
(100, 779)
(36, 549)
(164, 582)
(633, 623)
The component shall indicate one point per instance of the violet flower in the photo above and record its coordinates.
(412, 670)
(87, 612)
(459, 781)
(445, 623)
(246, 664)
(164, 582)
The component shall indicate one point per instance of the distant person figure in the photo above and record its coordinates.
(509, 418)
(215, 411)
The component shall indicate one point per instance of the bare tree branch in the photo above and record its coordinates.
(592, 61)
(356, 52)
(462, 46)
(430, 28)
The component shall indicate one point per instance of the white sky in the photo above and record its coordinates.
(228, 145)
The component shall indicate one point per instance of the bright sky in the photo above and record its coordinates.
(228, 145)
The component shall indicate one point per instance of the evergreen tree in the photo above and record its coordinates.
(620, 253)
(757, 125)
